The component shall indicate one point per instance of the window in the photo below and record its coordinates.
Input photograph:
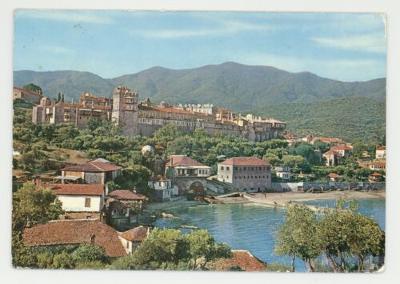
(222, 168)
(227, 168)
(87, 202)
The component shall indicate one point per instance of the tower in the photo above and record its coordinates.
(125, 110)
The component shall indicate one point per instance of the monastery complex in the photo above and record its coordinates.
(144, 118)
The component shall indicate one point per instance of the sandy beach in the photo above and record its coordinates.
(282, 199)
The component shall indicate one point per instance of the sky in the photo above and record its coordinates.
(346, 47)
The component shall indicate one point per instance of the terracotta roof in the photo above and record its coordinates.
(137, 234)
(333, 175)
(182, 160)
(376, 174)
(77, 189)
(381, 148)
(330, 152)
(245, 161)
(125, 194)
(243, 259)
(27, 91)
(328, 139)
(98, 165)
(75, 232)
(341, 147)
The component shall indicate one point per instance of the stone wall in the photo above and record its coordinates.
(305, 186)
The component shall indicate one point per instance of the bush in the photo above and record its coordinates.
(44, 260)
(89, 253)
(90, 265)
(63, 260)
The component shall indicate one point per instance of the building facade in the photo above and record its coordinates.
(164, 190)
(144, 118)
(80, 201)
(245, 173)
(95, 171)
(28, 96)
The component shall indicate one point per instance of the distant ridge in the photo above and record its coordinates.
(230, 84)
(309, 103)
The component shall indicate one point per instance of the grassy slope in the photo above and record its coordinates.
(349, 118)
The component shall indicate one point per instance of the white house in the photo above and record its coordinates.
(164, 190)
(283, 172)
(132, 238)
(183, 166)
(80, 201)
(380, 152)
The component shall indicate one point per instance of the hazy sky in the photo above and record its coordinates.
(347, 47)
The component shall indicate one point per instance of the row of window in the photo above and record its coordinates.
(245, 168)
(250, 177)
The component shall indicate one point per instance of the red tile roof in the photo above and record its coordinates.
(245, 161)
(97, 165)
(137, 234)
(75, 232)
(333, 175)
(381, 148)
(243, 259)
(77, 189)
(124, 194)
(341, 148)
(183, 161)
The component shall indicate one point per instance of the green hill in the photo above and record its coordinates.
(308, 102)
(354, 118)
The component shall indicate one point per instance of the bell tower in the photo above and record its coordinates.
(125, 110)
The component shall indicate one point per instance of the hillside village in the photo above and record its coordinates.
(105, 193)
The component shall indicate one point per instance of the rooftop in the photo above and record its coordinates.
(245, 161)
(243, 259)
(77, 189)
(183, 161)
(98, 165)
(137, 234)
(124, 194)
(69, 232)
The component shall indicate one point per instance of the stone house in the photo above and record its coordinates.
(375, 177)
(132, 238)
(334, 177)
(80, 201)
(95, 171)
(336, 153)
(164, 190)
(28, 96)
(283, 172)
(123, 207)
(380, 152)
(184, 166)
(75, 232)
(245, 173)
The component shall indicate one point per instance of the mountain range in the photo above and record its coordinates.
(242, 88)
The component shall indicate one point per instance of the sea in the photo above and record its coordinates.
(253, 227)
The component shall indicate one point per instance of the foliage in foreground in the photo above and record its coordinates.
(170, 249)
(348, 240)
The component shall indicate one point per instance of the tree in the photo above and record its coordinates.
(33, 88)
(30, 206)
(296, 237)
(346, 234)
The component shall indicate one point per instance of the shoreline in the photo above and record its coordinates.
(280, 199)
(284, 198)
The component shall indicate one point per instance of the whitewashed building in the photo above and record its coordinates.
(164, 190)
(80, 201)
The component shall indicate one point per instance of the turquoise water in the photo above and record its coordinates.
(253, 227)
